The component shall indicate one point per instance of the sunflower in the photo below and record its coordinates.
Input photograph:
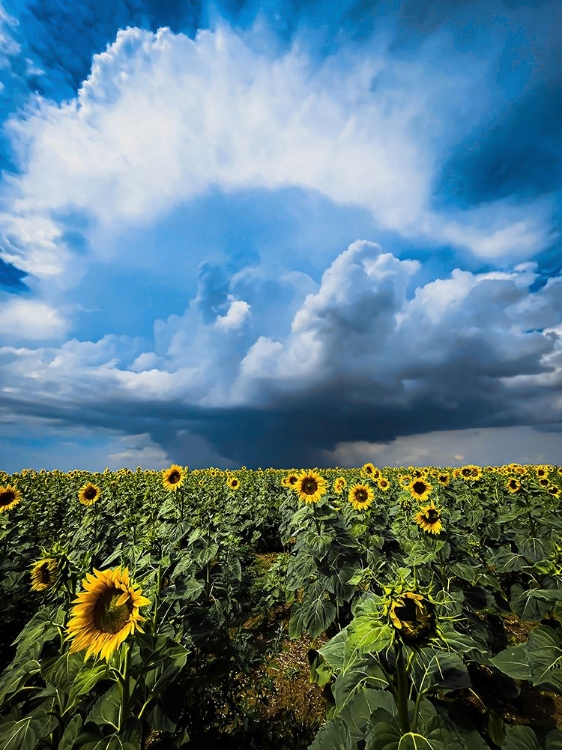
(420, 489)
(513, 485)
(443, 478)
(89, 494)
(383, 484)
(370, 470)
(9, 497)
(361, 496)
(553, 490)
(413, 616)
(339, 485)
(172, 478)
(290, 480)
(105, 613)
(233, 483)
(44, 574)
(310, 486)
(471, 473)
(429, 519)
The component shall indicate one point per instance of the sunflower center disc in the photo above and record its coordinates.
(7, 497)
(361, 496)
(419, 488)
(45, 573)
(90, 493)
(309, 486)
(174, 477)
(432, 515)
(108, 617)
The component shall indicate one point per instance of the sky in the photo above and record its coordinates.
(286, 233)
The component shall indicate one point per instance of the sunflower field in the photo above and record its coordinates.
(332, 609)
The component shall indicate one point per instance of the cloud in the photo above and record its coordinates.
(370, 354)
(30, 319)
(162, 118)
(523, 445)
(237, 313)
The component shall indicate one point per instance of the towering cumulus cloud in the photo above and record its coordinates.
(231, 245)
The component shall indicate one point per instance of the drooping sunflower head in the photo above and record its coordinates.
(420, 489)
(370, 470)
(89, 494)
(339, 485)
(9, 497)
(310, 486)
(44, 574)
(429, 519)
(361, 496)
(513, 485)
(105, 613)
(233, 483)
(172, 478)
(413, 616)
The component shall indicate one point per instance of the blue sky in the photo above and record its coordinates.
(280, 233)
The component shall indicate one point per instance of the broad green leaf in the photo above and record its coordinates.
(70, 733)
(63, 671)
(26, 733)
(544, 654)
(334, 650)
(16, 676)
(318, 615)
(85, 681)
(367, 635)
(554, 740)
(512, 661)
(106, 708)
(520, 738)
(334, 735)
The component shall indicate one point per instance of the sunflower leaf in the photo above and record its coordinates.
(520, 738)
(512, 661)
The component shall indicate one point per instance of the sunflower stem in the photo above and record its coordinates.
(402, 689)
(123, 682)
(157, 598)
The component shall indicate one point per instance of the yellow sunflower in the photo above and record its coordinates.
(233, 483)
(89, 494)
(412, 615)
(554, 490)
(513, 485)
(443, 478)
(9, 497)
(290, 480)
(310, 486)
(429, 519)
(44, 574)
(172, 478)
(370, 470)
(339, 485)
(383, 484)
(420, 489)
(470, 473)
(361, 496)
(105, 613)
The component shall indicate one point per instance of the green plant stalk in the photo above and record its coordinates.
(402, 689)
(123, 682)
(157, 598)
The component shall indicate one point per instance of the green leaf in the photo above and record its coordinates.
(86, 680)
(70, 733)
(26, 733)
(439, 670)
(367, 635)
(520, 738)
(62, 671)
(334, 735)
(512, 661)
(554, 740)
(318, 615)
(545, 658)
(15, 677)
(334, 651)
(106, 708)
